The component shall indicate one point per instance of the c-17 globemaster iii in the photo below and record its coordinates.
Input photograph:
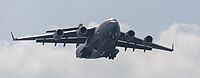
(96, 42)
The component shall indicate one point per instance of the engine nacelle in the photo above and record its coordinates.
(58, 34)
(148, 39)
(130, 34)
(82, 31)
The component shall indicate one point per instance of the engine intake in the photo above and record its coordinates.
(148, 39)
(82, 31)
(58, 34)
(130, 34)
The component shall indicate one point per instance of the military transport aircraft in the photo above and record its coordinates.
(98, 41)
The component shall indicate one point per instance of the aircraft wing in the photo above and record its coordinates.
(71, 40)
(47, 35)
(76, 41)
(69, 36)
(141, 42)
(131, 45)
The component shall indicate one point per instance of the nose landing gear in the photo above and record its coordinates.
(112, 55)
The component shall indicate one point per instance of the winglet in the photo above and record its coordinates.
(172, 47)
(13, 37)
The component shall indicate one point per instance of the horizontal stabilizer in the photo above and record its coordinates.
(66, 29)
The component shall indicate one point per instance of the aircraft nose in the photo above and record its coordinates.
(113, 24)
(113, 20)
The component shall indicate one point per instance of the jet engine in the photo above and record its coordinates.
(130, 34)
(148, 39)
(58, 34)
(82, 31)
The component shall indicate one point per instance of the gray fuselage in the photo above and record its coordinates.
(101, 43)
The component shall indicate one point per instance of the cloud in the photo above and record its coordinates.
(30, 60)
(184, 61)
(92, 24)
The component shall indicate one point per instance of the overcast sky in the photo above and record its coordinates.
(145, 17)
(168, 21)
